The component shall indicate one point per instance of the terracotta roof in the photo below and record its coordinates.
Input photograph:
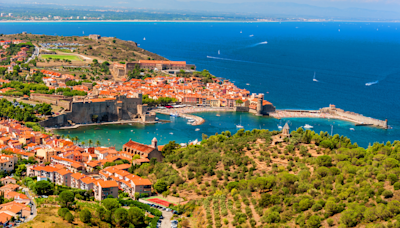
(63, 172)
(141, 181)
(4, 217)
(77, 176)
(88, 180)
(107, 184)
(139, 147)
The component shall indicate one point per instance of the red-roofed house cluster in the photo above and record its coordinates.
(64, 163)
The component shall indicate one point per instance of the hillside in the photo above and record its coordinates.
(105, 49)
(257, 179)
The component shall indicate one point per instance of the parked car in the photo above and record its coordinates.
(168, 209)
(161, 217)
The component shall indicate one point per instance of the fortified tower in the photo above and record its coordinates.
(154, 143)
(260, 104)
(286, 130)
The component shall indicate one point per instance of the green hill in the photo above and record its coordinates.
(257, 179)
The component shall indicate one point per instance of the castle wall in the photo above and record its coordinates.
(82, 112)
(241, 109)
(268, 109)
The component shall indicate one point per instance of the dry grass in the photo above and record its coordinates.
(47, 217)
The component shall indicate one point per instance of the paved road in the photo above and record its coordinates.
(34, 210)
(166, 222)
(34, 55)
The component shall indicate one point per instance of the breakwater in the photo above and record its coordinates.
(331, 112)
(186, 113)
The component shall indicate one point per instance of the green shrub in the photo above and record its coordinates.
(396, 186)
(62, 211)
(387, 194)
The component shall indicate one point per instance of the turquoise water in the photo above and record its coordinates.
(282, 68)
(181, 132)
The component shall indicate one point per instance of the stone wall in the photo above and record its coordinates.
(241, 109)
(355, 117)
(84, 112)
(58, 100)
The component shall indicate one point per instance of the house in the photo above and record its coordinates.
(104, 188)
(87, 183)
(144, 151)
(75, 180)
(18, 197)
(63, 177)
(16, 209)
(8, 180)
(47, 153)
(9, 187)
(7, 162)
(4, 218)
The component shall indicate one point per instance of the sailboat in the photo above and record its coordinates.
(240, 125)
(144, 38)
(240, 31)
(219, 52)
(280, 125)
(314, 79)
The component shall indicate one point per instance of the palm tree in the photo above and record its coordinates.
(98, 143)
(76, 139)
(90, 142)
(62, 136)
(83, 143)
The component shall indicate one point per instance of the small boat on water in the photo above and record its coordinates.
(144, 38)
(197, 129)
(247, 84)
(171, 133)
(314, 79)
(156, 119)
(131, 130)
(218, 114)
(279, 126)
(352, 129)
(174, 114)
(307, 126)
(240, 124)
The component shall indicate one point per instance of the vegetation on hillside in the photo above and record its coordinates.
(23, 112)
(311, 180)
(160, 101)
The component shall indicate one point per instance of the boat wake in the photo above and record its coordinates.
(261, 43)
(235, 60)
(371, 83)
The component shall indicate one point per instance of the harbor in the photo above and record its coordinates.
(186, 112)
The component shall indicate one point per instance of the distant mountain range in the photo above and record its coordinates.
(250, 9)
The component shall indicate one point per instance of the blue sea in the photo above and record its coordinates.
(277, 59)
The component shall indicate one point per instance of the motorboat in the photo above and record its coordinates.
(279, 126)
(197, 129)
(218, 114)
(174, 114)
(352, 129)
(307, 126)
